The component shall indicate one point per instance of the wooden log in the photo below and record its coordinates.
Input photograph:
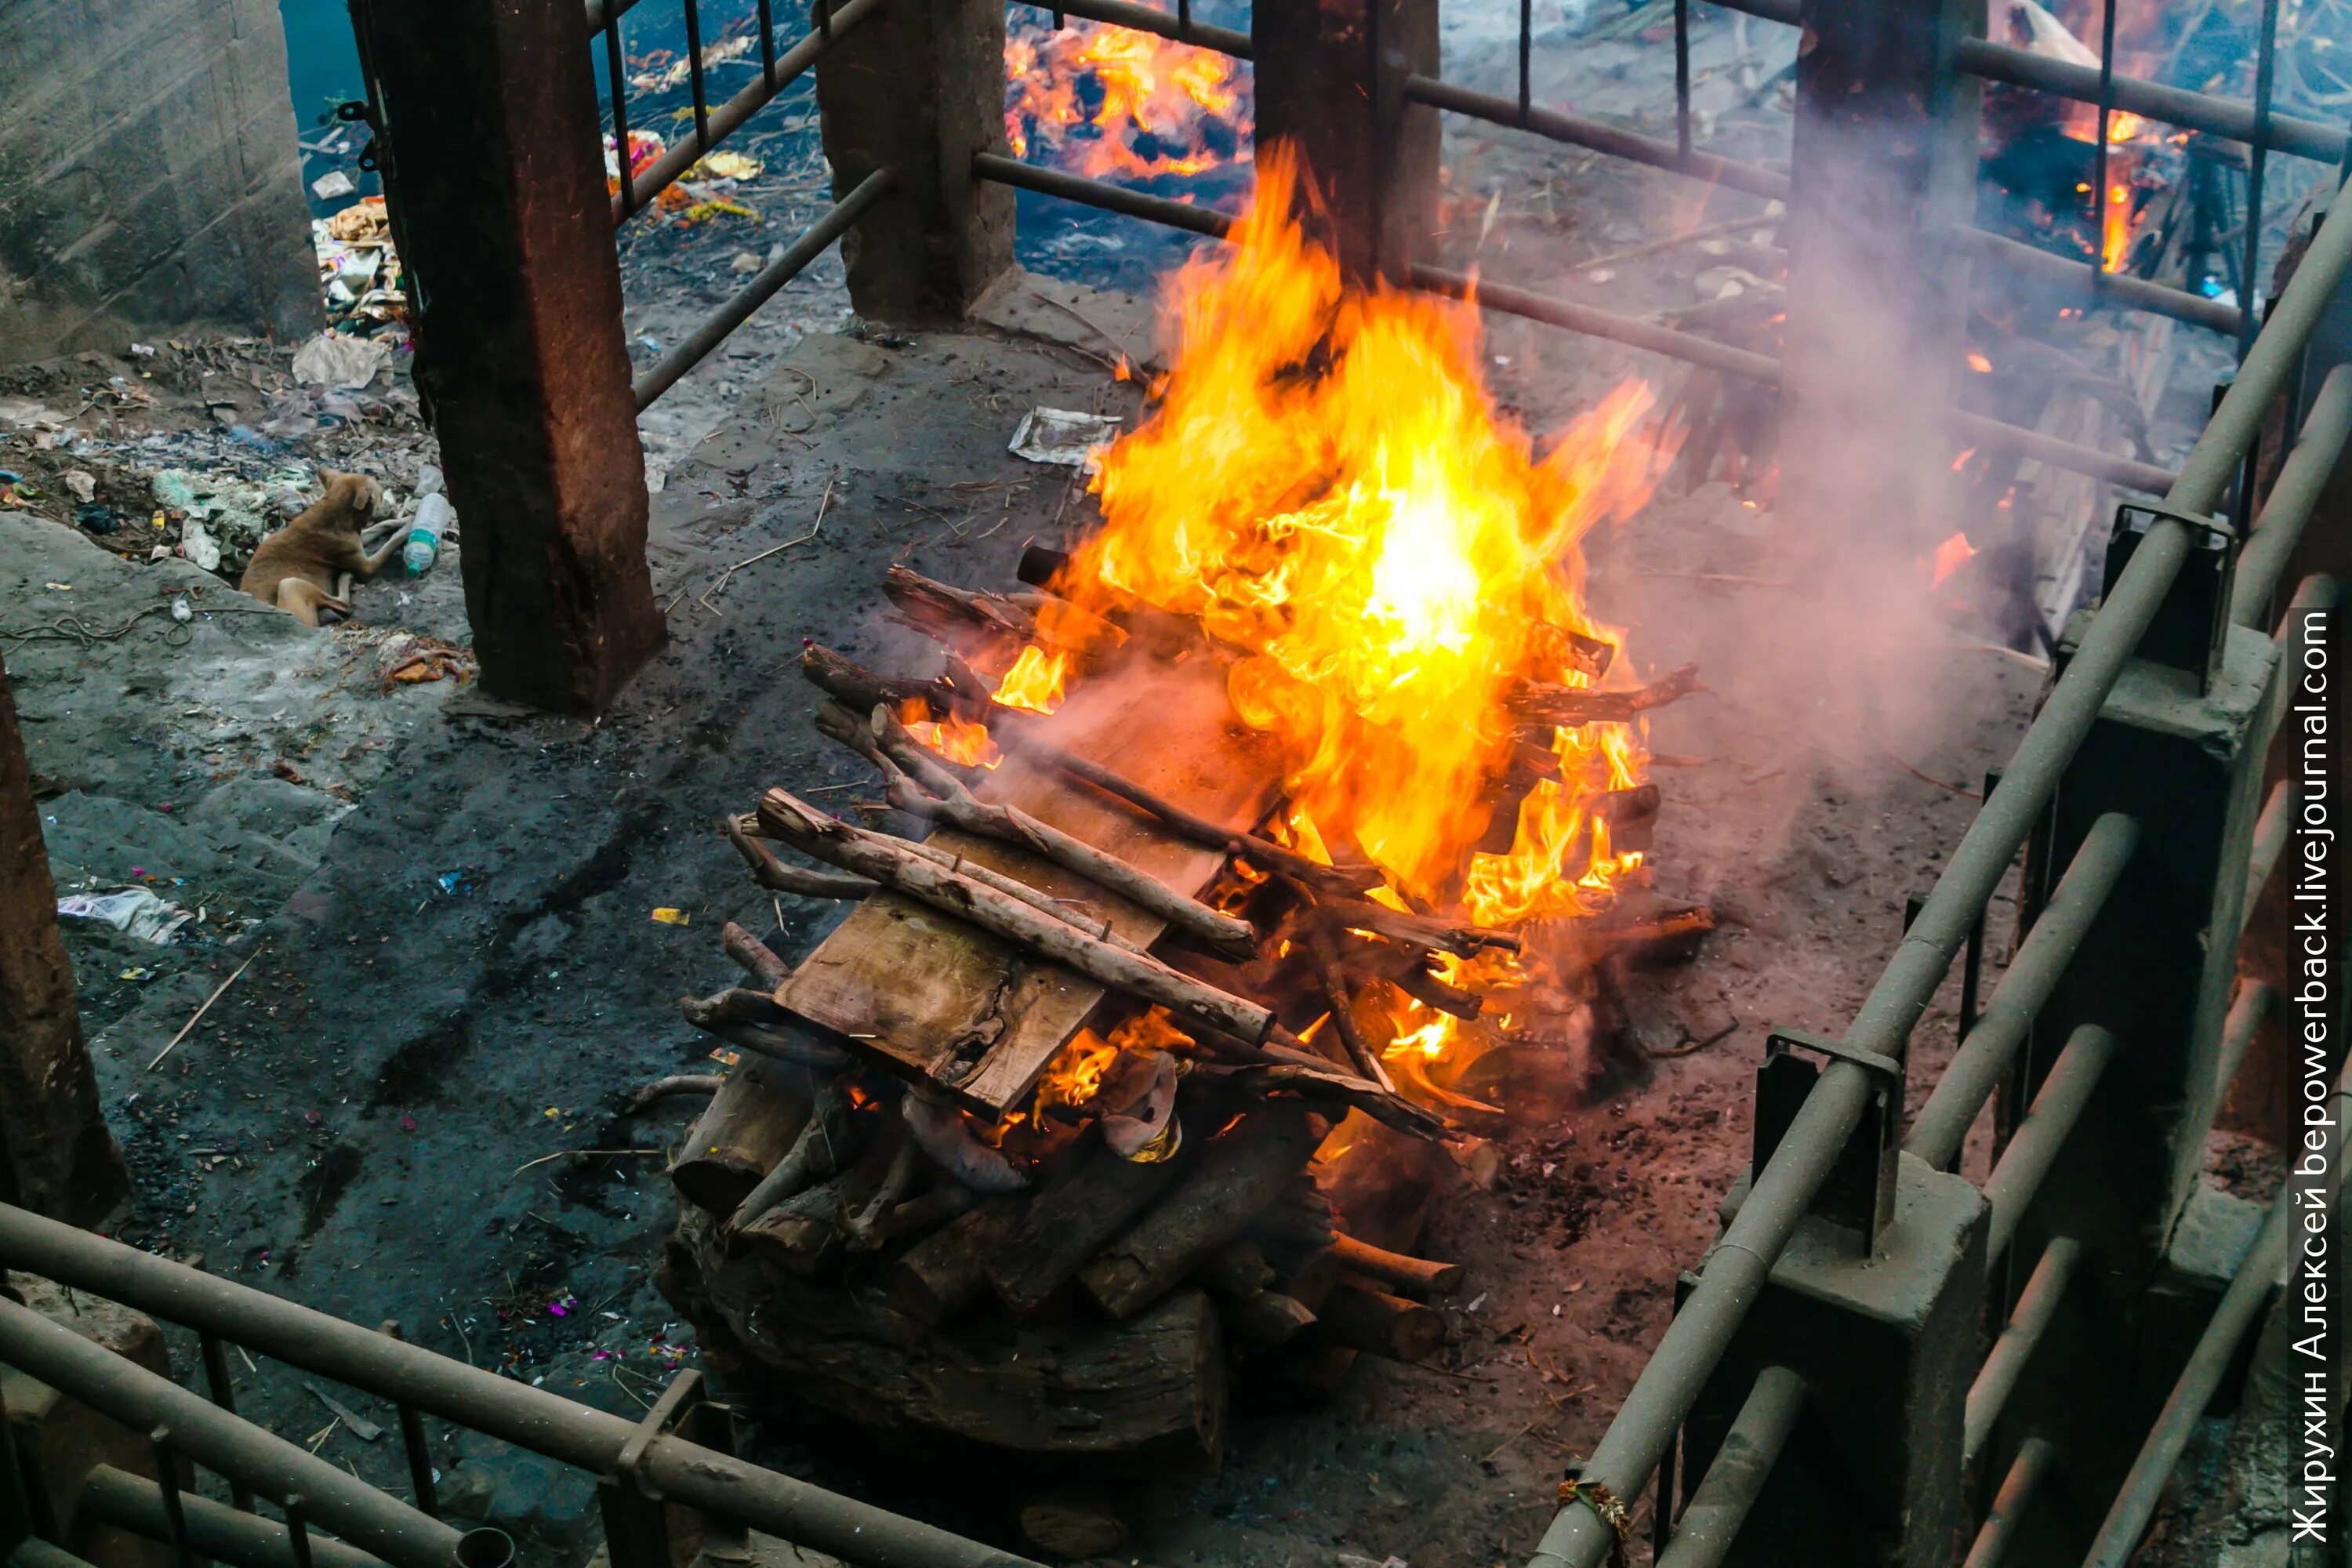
(1419, 1276)
(1347, 912)
(1241, 1171)
(1266, 1319)
(750, 1123)
(920, 1216)
(755, 957)
(1236, 1270)
(1358, 1317)
(785, 1042)
(861, 689)
(807, 1229)
(1157, 1384)
(939, 610)
(946, 1271)
(738, 1004)
(888, 861)
(677, 1085)
(1095, 1197)
(815, 1151)
(1336, 996)
(1535, 702)
(774, 875)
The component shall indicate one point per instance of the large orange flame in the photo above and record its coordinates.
(1326, 490)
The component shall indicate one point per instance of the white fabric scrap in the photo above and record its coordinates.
(332, 360)
(134, 910)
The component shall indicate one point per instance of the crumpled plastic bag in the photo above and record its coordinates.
(1061, 437)
(135, 911)
(332, 360)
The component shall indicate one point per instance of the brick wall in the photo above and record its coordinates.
(149, 181)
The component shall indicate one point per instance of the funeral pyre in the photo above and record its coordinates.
(1284, 839)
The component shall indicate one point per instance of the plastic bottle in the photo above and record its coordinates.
(434, 516)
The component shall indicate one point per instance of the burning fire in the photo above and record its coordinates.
(1325, 489)
(1950, 556)
(1101, 100)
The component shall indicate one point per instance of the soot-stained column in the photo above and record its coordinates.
(497, 197)
(57, 1158)
(1330, 80)
(918, 87)
(1883, 158)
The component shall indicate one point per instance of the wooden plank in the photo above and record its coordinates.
(927, 996)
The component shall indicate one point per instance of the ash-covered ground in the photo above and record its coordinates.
(408, 1106)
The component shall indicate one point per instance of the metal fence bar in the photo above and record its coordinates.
(2033, 1147)
(2088, 284)
(1160, 24)
(225, 1535)
(34, 1553)
(2018, 1490)
(2265, 74)
(224, 1393)
(1681, 80)
(1100, 194)
(533, 1418)
(2318, 446)
(812, 244)
(1594, 136)
(1742, 1468)
(2136, 1501)
(603, 14)
(1976, 1068)
(2029, 1321)
(125, 1392)
(694, 77)
(664, 171)
(616, 77)
(2099, 155)
(2248, 1009)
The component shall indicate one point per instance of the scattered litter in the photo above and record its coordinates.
(434, 519)
(726, 165)
(135, 911)
(1061, 437)
(455, 883)
(365, 1430)
(200, 1012)
(97, 517)
(331, 358)
(670, 917)
(333, 184)
(83, 485)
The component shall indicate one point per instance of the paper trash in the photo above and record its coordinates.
(1059, 436)
(134, 910)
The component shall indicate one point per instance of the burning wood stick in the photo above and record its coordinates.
(933, 608)
(1343, 1012)
(860, 689)
(896, 865)
(1401, 925)
(1566, 707)
(888, 744)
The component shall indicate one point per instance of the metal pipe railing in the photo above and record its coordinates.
(1741, 1471)
(124, 1391)
(639, 190)
(1577, 130)
(1100, 194)
(1703, 1330)
(2088, 284)
(575, 1434)
(2035, 1458)
(2272, 826)
(813, 243)
(1976, 1068)
(2033, 1148)
(1150, 20)
(2135, 1500)
(2029, 1324)
(2302, 479)
(214, 1531)
(2248, 1009)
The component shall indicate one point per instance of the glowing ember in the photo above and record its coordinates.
(2115, 229)
(1978, 363)
(1950, 556)
(1101, 100)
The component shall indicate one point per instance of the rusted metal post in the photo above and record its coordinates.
(57, 1158)
(1882, 168)
(918, 87)
(488, 134)
(1886, 1343)
(1330, 87)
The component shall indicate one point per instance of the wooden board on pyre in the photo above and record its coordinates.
(932, 997)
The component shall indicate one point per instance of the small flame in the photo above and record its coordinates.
(958, 739)
(1950, 556)
(1978, 363)
(2115, 229)
(1036, 680)
(2124, 126)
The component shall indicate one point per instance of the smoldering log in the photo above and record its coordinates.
(890, 862)
(750, 1123)
(940, 610)
(1359, 1317)
(1400, 925)
(1564, 707)
(1095, 1197)
(1241, 1171)
(861, 689)
(1418, 1276)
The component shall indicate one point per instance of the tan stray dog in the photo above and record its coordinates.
(296, 568)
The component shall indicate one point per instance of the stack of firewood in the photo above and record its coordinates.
(1041, 1140)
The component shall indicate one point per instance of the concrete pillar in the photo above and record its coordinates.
(919, 87)
(1887, 1344)
(1328, 77)
(1884, 155)
(497, 192)
(2155, 970)
(57, 1158)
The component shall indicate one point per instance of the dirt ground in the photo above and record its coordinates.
(407, 1105)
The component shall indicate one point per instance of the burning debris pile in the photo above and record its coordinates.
(1288, 829)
